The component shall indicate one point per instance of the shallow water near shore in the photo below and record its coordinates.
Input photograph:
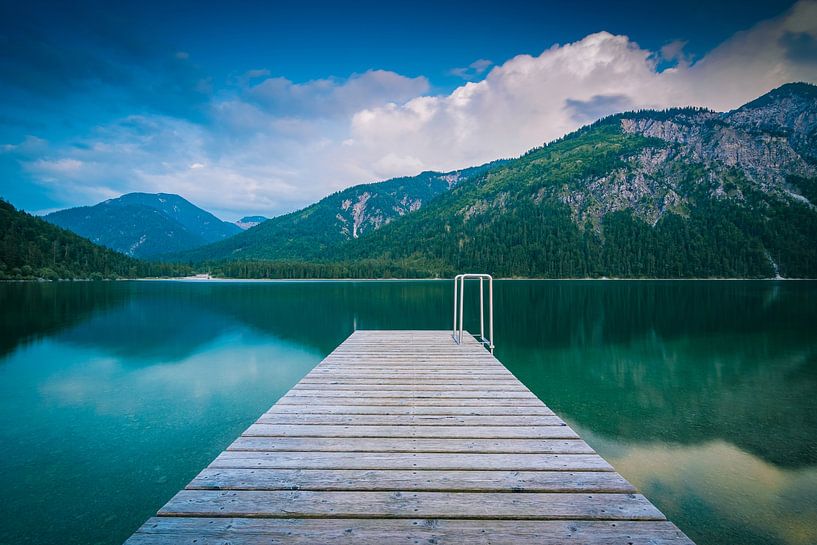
(114, 395)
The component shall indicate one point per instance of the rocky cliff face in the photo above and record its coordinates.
(759, 146)
(369, 207)
(250, 221)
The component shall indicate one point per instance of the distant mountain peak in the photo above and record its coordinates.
(145, 224)
(798, 88)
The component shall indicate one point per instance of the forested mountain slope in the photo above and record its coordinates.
(679, 193)
(346, 215)
(33, 248)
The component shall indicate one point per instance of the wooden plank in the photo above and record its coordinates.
(409, 386)
(416, 402)
(447, 376)
(410, 460)
(450, 364)
(420, 373)
(420, 394)
(410, 381)
(311, 531)
(404, 409)
(414, 364)
(402, 444)
(427, 371)
(408, 420)
(449, 373)
(485, 505)
(461, 432)
(415, 480)
(427, 359)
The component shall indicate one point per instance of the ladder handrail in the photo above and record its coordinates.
(459, 297)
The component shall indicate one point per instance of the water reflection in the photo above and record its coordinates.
(704, 394)
(31, 311)
(715, 488)
(100, 425)
(757, 392)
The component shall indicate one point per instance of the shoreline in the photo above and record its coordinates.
(193, 279)
(537, 279)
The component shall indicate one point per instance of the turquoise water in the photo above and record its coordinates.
(114, 395)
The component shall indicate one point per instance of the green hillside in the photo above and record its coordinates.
(515, 222)
(310, 233)
(33, 248)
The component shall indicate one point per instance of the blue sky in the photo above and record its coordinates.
(263, 107)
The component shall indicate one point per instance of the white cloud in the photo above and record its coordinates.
(330, 97)
(271, 145)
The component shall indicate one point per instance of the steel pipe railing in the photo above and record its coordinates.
(459, 298)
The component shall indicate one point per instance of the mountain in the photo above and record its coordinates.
(250, 221)
(145, 224)
(33, 248)
(340, 217)
(684, 192)
(679, 193)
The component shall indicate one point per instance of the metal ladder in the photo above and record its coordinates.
(459, 296)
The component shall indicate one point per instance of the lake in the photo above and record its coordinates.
(113, 395)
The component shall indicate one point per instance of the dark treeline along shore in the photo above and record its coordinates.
(680, 193)
(34, 249)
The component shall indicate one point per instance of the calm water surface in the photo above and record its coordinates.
(114, 395)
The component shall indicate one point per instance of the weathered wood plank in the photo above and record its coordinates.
(431, 371)
(409, 386)
(428, 358)
(408, 420)
(427, 480)
(310, 531)
(417, 393)
(402, 444)
(410, 460)
(399, 374)
(416, 402)
(424, 373)
(485, 505)
(411, 381)
(461, 432)
(405, 409)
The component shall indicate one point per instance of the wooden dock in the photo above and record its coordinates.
(407, 437)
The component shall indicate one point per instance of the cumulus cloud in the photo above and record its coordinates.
(269, 145)
(331, 97)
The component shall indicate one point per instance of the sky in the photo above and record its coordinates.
(264, 107)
